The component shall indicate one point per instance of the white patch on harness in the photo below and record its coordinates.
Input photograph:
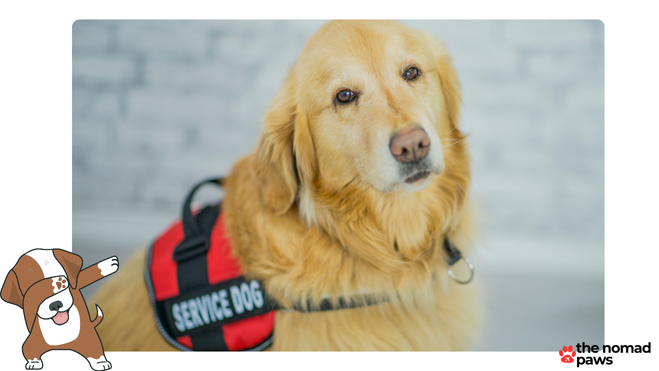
(49, 265)
(216, 306)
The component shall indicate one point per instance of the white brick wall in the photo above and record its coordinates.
(158, 105)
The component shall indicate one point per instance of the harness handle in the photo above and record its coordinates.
(195, 242)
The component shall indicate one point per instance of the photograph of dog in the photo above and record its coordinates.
(46, 285)
(379, 141)
(360, 174)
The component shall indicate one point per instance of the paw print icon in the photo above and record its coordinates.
(567, 354)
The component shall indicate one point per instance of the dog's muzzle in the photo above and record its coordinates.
(40, 291)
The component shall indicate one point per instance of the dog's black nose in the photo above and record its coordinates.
(55, 306)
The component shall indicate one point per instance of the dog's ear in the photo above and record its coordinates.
(448, 79)
(304, 149)
(285, 153)
(71, 263)
(11, 292)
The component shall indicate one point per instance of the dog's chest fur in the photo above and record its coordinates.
(54, 334)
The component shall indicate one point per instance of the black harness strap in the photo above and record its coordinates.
(191, 258)
(326, 304)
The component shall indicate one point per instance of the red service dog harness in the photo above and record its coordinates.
(202, 300)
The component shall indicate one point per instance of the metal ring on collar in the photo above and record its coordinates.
(471, 271)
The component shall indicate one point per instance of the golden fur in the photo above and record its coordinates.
(310, 212)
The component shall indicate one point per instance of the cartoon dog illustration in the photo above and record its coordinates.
(46, 284)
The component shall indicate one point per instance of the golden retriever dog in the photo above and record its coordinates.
(360, 173)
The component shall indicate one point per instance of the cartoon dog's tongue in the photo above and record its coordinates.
(61, 318)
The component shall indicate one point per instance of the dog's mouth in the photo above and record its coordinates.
(417, 176)
(61, 318)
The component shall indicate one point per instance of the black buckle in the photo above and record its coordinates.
(452, 252)
(194, 243)
(191, 247)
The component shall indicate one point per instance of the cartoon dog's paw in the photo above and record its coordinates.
(99, 364)
(109, 266)
(567, 354)
(103, 365)
(34, 364)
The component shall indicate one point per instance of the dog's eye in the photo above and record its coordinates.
(345, 96)
(411, 74)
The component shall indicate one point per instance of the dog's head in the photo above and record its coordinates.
(374, 103)
(40, 283)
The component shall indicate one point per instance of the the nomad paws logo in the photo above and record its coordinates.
(566, 357)
(567, 353)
